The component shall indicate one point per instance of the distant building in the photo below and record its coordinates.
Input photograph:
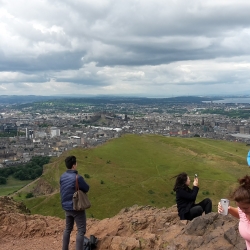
(244, 130)
(54, 131)
(231, 128)
(75, 139)
(87, 116)
(31, 134)
(184, 132)
(40, 134)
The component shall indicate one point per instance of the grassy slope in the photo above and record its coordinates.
(12, 186)
(140, 169)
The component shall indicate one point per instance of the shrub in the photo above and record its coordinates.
(29, 195)
(205, 192)
(102, 182)
(151, 191)
(87, 176)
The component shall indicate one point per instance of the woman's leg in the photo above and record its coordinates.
(206, 205)
(80, 219)
(68, 229)
(194, 212)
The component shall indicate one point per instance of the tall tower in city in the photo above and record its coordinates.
(202, 121)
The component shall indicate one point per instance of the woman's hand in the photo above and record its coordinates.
(220, 208)
(196, 182)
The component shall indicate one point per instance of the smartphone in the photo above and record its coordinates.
(224, 203)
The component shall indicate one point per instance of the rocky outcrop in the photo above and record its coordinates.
(150, 228)
(42, 187)
(137, 227)
(8, 205)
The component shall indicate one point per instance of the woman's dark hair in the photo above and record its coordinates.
(242, 193)
(180, 182)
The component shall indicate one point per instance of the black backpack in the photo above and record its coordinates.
(90, 243)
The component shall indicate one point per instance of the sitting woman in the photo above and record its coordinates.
(185, 198)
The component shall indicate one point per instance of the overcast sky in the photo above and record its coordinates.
(155, 48)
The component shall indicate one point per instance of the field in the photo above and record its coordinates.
(12, 186)
(137, 169)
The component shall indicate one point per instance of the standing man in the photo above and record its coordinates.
(67, 189)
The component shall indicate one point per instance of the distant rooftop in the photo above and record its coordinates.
(241, 135)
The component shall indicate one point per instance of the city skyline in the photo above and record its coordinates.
(144, 48)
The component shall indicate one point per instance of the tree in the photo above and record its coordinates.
(3, 181)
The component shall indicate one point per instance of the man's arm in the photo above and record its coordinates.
(82, 184)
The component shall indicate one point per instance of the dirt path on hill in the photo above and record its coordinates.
(23, 188)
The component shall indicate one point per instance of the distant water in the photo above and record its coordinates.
(232, 100)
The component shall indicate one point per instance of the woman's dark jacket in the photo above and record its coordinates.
(67, 187)
(185, 199)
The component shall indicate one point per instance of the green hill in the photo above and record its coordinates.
(137, 169)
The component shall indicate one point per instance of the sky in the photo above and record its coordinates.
(150, 48)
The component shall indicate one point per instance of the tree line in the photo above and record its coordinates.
(28, 171)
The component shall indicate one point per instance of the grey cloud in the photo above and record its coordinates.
(83, 81)
(35, 77)
(128, 27)
(59, 36)
(51, 61)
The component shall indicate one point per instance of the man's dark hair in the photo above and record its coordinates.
(70, 161)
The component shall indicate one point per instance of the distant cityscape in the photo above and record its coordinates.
(50, 127)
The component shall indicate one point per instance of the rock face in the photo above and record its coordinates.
(150, 228)
(8, 205)
(42, 188)
(132, 229)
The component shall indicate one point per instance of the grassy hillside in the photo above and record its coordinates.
(138, 169)
(12, 186)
